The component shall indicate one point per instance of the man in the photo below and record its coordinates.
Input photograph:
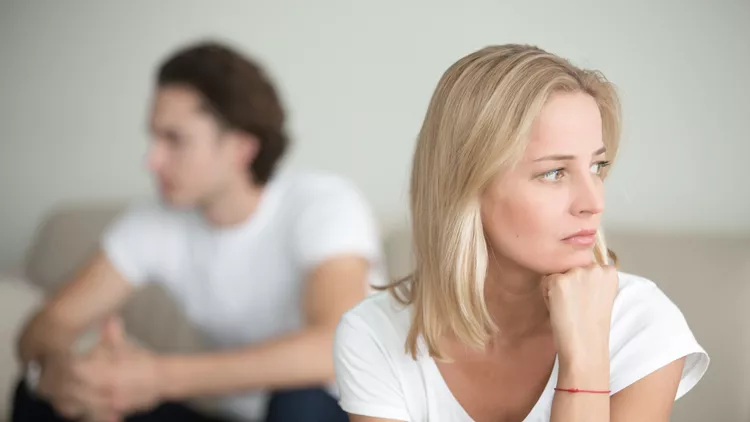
(265, 264)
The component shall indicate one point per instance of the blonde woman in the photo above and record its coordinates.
(514, 311)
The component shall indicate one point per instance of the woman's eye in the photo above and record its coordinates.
(552, 175)
(597, 168)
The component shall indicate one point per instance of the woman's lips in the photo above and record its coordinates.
(582, 238)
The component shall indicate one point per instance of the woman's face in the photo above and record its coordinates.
(542, 214)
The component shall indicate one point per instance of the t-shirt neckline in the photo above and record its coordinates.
(266, 203)
(532, 416)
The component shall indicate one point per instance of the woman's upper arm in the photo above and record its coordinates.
(650, 398)
(655, 358)
(366, 375)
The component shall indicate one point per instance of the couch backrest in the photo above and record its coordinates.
(707, 277)
(66, 238)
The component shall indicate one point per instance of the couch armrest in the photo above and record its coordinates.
(18, 300)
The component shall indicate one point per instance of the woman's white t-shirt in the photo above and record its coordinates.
(377, 378)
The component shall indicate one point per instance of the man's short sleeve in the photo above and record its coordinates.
(335, 219)
(134, 241)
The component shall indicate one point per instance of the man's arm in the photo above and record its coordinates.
(97, 290)
(300, 359)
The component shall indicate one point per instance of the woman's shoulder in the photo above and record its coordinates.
(379, 317)
(370, 359)
(382, 315)
(640, 303)
(634, 282)
(640, 295)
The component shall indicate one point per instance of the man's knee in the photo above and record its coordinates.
(309, 405)
(28, 407)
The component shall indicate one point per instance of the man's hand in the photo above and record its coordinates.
(113, 380)
(135, 382)
(77, 386)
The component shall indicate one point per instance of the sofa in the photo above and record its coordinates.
(707, 276)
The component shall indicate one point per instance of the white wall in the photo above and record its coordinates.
(357, 76)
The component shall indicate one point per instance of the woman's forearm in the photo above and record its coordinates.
(584, 373)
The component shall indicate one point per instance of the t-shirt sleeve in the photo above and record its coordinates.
(649, 331)
(134, 241)
(335, 219)
(365, 375)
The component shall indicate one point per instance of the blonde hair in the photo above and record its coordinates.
(477, 124)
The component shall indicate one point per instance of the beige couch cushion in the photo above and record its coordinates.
(709, 279)
(65, 239)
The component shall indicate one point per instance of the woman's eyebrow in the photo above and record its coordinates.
(600, 151)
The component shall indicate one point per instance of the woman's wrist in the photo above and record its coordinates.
(584, 369)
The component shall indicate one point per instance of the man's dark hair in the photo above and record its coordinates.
(237, 92)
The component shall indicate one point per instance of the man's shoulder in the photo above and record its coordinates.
(153, 215)
(307, 186)
(141, 242)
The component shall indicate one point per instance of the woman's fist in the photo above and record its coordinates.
(580, 305)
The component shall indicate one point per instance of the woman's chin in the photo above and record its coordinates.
(565, 264)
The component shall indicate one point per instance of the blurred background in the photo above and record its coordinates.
(356, 78)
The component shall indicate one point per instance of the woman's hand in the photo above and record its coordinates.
(580, 304)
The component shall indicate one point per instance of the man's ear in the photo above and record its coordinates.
(247, 147)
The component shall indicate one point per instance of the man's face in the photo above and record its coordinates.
(191, 157)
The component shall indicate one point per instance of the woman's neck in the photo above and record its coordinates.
(515, 301)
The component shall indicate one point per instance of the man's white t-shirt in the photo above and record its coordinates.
(244, 284)
(377, 378)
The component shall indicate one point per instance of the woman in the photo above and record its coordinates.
(514, 311)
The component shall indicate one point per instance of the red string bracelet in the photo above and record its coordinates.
(577, 390)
